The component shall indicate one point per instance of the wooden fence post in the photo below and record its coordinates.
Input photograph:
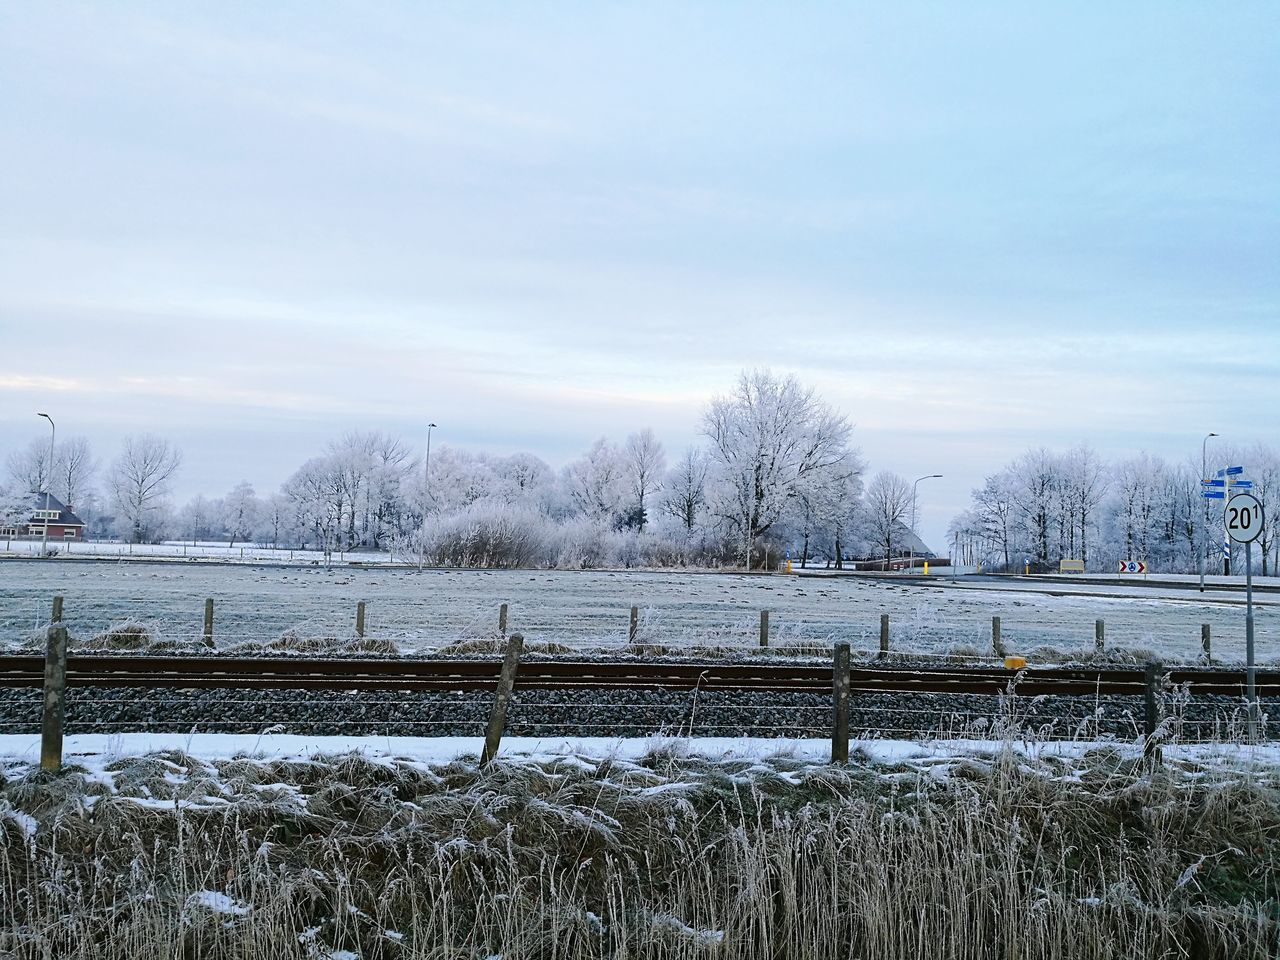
(1099, 635)
(360, 619)
(840, 694)
(1150, 713)
(1205, 643)
(498, 713)
(208, 622)
(55, 702)
(996, 643)
(764, 628)
(634, 628)
(502, 620)
(884, 635)
(57, 610)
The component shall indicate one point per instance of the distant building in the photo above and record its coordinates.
(49, 512)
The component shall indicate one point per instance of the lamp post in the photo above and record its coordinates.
(932, 476)
(426, 479)
(426, 471)
(44, 536)
(1204, 544)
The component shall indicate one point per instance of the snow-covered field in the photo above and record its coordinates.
(422, 611)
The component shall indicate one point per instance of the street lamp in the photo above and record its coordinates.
(426, 470)
(44, 536)
(1204, 544)
(932, 476)
(426, 480)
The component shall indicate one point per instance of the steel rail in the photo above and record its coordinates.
(299, 673)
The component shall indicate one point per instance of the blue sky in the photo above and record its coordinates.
(975, 228)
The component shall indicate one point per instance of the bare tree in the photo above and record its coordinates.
(74, 468)
(766, 437)
(30, 468)
(644, 462)
(888, 507)
(139, 479)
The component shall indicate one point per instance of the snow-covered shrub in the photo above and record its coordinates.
(583, 544)
(488, 533)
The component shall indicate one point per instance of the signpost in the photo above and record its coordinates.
(1229, 479)
(1244, 521)
(1133, 566)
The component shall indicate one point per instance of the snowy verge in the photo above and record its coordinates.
(92, 750)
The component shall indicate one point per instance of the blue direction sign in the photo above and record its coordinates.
(1213, 483)
(1214, 494)
(1242, 485)
(1234, 471)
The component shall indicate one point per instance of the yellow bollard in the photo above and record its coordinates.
(926, 568)
(1026, 571)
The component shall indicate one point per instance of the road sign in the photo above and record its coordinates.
(1242, 485)
(1244, 518)
(1213, 483)
(1214, 495)
(1133, 566)
(1234, 471)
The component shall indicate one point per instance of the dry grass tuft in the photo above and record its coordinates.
(498, 646)
(134, 636)
(671, 857)
(295, 641)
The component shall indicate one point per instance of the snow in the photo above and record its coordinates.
(93, 751)
(218, 903)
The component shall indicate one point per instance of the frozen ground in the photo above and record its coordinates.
(423, 611)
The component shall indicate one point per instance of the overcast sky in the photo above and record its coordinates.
(975, 228)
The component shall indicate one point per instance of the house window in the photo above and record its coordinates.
(69, 532)
(35, 530)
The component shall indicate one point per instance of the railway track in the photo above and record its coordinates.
(438, 674)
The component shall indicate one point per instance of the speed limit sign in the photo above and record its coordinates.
(1244, 518)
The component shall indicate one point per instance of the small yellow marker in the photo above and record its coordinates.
(1015, 663)
(926, 568)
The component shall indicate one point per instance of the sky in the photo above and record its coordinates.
(974, 228)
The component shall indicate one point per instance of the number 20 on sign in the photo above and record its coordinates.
(1244, 518)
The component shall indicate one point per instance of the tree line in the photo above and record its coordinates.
(1046, 506)
(775, 471)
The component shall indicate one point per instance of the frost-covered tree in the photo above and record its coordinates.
(139, 482)
(318, 493)
(1037, 477)
(1139, 482)
(1085, 484)
(196, 519)
(1264, 470)
(768, 436)
(241, 509)
(888, 509)
(643, 461)
(995, 514)
(17, 503)
(685, 491)
(596, 483)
